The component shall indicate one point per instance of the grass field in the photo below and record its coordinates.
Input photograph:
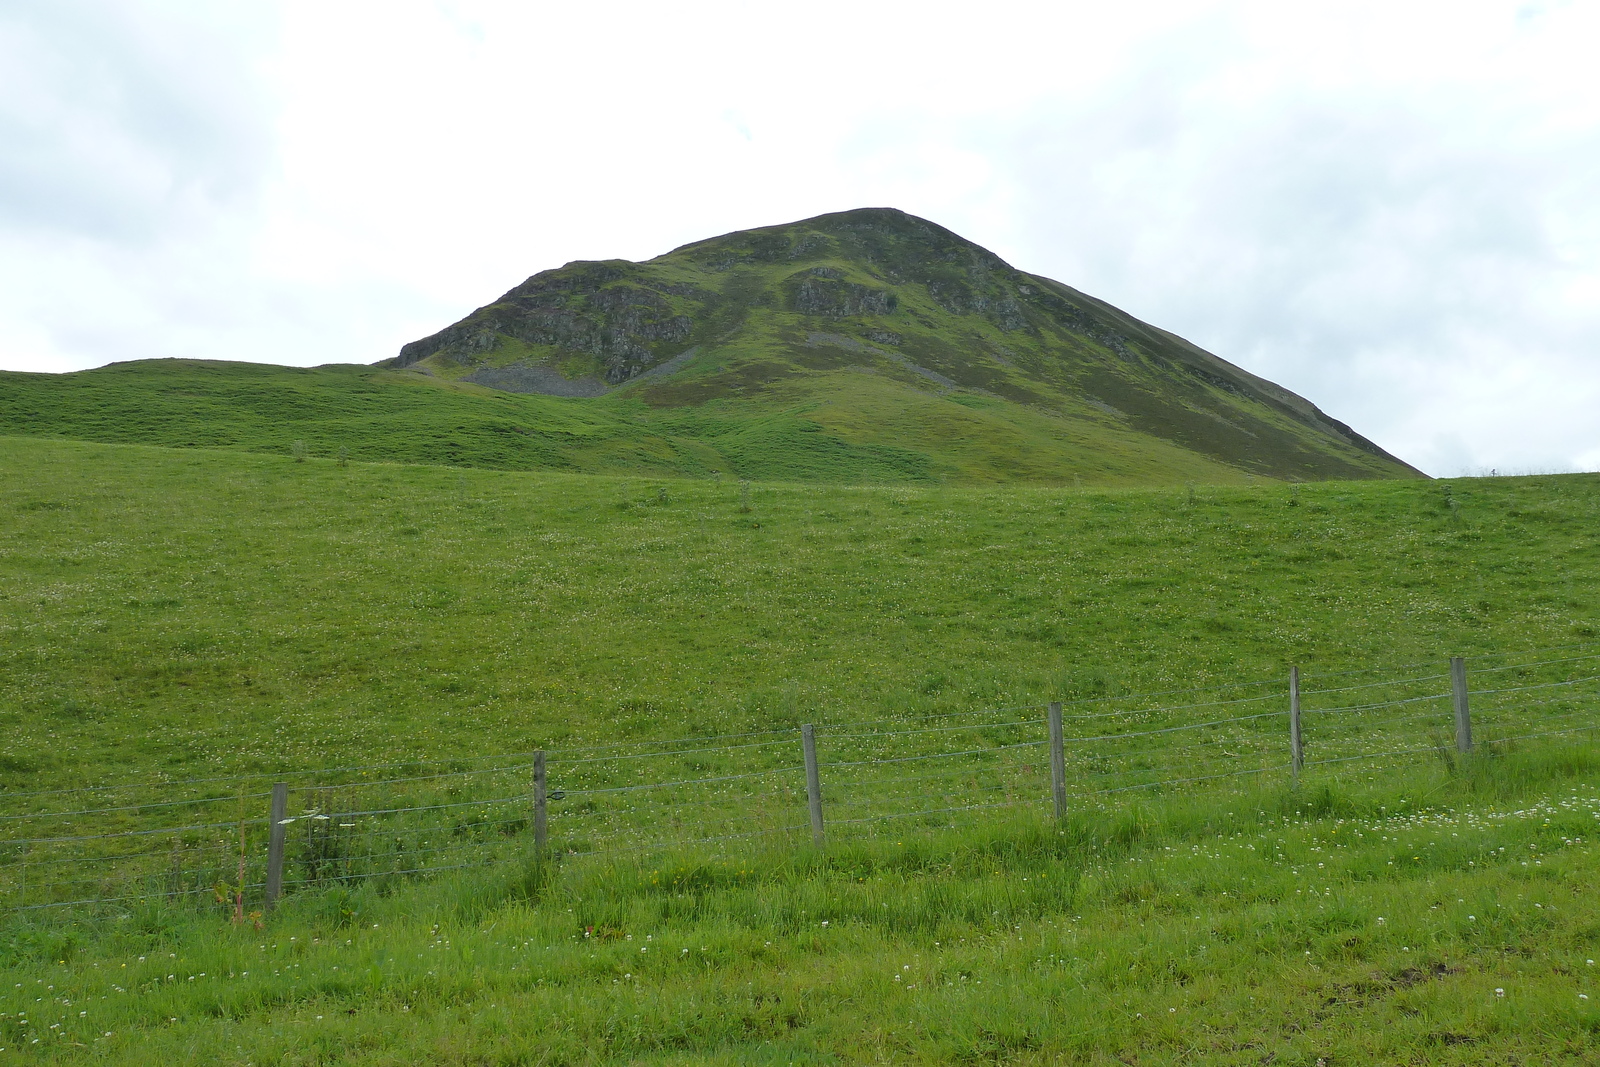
(183, 613)
(195, 612)
(1445, 921)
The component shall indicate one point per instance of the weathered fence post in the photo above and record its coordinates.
(808, 741)
(1458, 693)
(540, 811)
(1058, 761)
(1297, 749)
(276, 833)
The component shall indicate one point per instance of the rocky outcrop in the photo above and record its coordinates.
(582, 308)
(823, 292)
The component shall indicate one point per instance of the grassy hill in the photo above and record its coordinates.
(874, 433)
(866, 346)
(184, 613)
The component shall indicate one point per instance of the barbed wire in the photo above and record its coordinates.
(935, 755)
(1522, 706)
(402, 830)
(1371, 755)
(831, 736)
(118, 900)
(680, 740)
(933, 716)
(133, 807)
(385, 874)
(1540, 663)
(1176, 781)
(863, 783)
(682, 782)
(1387, 724)
(1546, 733)
(520, 798)
(694, 841)
(1172, 729)
(362, 843)
(1373, 707)
(556, 754)
(1527, 688)
(132, 833)
(931, 811)
(283, 775)
(1536, 651)
(557, 761)
(123, 856)
(1374, 685)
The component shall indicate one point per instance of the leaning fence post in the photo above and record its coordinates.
(539, 806)
(808, 741)
(1297, 749)
(1058, 761)
(276, 833)
(1458, 693)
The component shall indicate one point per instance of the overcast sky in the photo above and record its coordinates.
(1391, 209)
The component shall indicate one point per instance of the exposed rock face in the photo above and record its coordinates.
(830, 298)
(628, 321)
(574, 309)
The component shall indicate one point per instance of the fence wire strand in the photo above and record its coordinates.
(615, 799)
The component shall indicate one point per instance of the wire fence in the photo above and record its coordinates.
(111, 848)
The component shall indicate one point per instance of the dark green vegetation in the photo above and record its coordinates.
(191, 613)
(863, 346)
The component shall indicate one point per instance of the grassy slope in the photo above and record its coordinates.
(242, 612)
(1175, 421)
(191, 611)
(838, 426)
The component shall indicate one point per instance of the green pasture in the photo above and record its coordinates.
(1430, 919)
(175, 614)
(191, 612)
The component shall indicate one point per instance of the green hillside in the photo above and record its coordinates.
(368, 413)
(867, 346)
(198, 610)
(185, 614)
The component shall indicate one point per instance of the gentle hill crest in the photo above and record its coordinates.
(781, 312)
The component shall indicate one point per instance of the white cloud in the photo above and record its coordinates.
(119, 120)
(1386, 208)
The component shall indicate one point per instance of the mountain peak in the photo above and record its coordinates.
(870, 233)
(833, 308)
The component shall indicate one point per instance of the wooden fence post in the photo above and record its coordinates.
(808, 741)
(1058, 761)
(1458, 693)
(540, 810)
(276, 833)
(1297, 749)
